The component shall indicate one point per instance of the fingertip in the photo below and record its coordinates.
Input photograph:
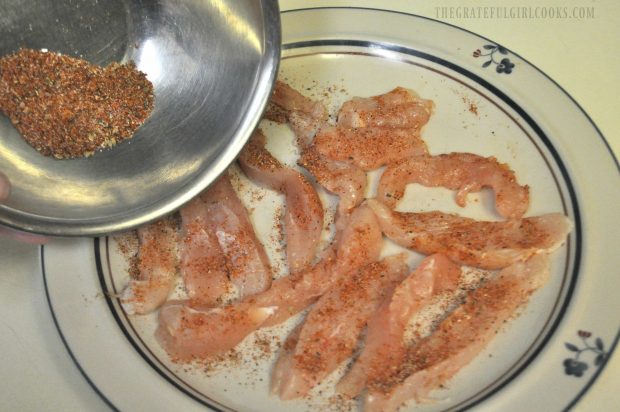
(31, 238)
(23, 237)
(5, 187)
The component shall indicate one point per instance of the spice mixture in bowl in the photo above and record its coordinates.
(126, 110)
(66, 107)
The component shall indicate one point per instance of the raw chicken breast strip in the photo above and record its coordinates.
(484, 244)
(228, 220)
(303, 218)
(188, 333)
(399, 108)
(341, 178)
(385, 347)
(203, 265)
(304, 115)
(369, 147)
(286, 360)
(330, 332)
(460, 337)
(157, 265)
(465, 172)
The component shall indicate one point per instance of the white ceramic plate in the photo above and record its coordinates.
(507, 109)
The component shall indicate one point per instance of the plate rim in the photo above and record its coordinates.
(63, 339)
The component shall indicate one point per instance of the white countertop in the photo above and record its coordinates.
(580, 55)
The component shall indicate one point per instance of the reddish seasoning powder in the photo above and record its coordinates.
(66, 107)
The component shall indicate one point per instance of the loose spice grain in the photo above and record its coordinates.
(67, 107)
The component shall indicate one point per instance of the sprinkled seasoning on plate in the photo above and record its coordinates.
(66, 107)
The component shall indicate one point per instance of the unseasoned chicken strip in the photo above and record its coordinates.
(488, 245)
(465, 172)
(228, 221)
(370, 147)
(385, 347)
(330, 333)
(304, 115)
(399, 108)
(157, 265)
(303, 218)
(460, 337)
(341, 178)
(188, 333)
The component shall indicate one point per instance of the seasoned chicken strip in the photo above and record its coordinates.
(203, 264)
(465, 172)
(330, 333)
(370, 147)
(157, 266)
(385, 347)
(399, 108)
(305, 116)
(229, 222)
(188, 333)
(341, 178)
(303, 218)
(484, 244)
(460, 337)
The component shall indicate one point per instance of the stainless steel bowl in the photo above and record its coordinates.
(212, 63)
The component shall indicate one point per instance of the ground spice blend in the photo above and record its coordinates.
(66, 107)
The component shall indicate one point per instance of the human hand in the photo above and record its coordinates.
(5, 190)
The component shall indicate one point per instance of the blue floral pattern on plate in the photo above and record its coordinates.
(576, 367)
(490, 50)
